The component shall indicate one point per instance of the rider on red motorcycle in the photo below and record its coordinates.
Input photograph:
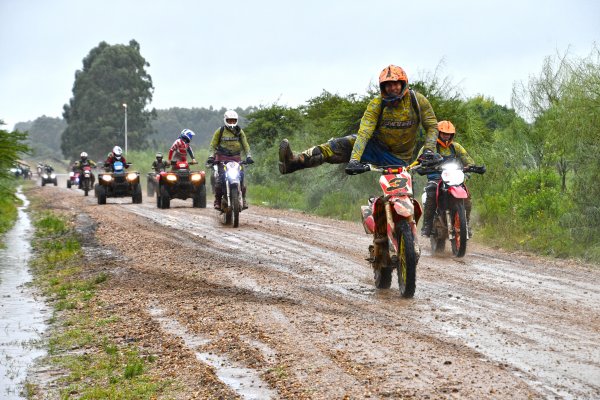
(447, 148)
(83, 162)
(227, 144)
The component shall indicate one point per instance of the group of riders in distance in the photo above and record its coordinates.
(385, 142)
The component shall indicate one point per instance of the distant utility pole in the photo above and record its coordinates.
(125, 107)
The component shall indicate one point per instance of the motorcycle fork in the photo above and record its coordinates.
(389, 214)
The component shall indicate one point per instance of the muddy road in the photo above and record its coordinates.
(284, 307)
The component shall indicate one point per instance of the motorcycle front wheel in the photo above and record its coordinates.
(458, 219)
(235, 207)
(407, 259)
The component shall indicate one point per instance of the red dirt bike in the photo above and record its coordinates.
(450, 218)
(392, 219)
(86, 180)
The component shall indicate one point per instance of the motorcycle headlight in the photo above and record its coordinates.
(131, 176)
(172, 177)
(453, 177)
(196, 177)
(71, 173)
(106, 178)
(233, 173)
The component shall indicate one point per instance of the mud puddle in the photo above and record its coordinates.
(244, 381)
(22, 315)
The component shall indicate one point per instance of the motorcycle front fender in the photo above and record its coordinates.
(403, 206)
(458, 192)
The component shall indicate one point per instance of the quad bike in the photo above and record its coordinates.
(118, 183)
(450, 218)
(87, 180)
(48, 176)
(180, 183)
(232, 199)
(392, 219)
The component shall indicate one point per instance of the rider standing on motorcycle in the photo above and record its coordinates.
(181, 147)
(84, 161)
(387, 134)
(448, 149)
(114, 156)
(226, 145)
(159, 165)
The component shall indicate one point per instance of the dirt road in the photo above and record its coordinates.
(284, 307)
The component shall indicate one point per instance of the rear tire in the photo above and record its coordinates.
(407, 259)
(68, 183)
(459, 229)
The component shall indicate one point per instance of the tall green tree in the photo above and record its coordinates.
(112, 75)
(44, 135)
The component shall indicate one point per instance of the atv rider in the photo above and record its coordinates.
(387, 134)
(226, 145)
(84, 161)
(114, 156)
(447, 148)
(181, 147)
(159, 165)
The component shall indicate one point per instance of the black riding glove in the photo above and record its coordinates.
(355, 167)
(249, 160)
(210, 161)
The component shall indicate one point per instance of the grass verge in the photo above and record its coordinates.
(93, 365)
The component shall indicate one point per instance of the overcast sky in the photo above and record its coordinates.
(260, 52)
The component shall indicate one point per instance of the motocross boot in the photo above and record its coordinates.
(428, 210)
(288, 162)
(468, 207)
(244, 201)
(218, 195)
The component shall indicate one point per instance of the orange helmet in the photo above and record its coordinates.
(448, 128)
(393, 73)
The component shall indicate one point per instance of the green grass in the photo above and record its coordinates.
(96, 367)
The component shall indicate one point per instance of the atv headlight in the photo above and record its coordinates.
(45, 176)
(131, 176)
(106, 178)
(196, 177)
(52, 176)
(172, 177)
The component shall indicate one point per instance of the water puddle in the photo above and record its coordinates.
(22, 315)
(244, 381)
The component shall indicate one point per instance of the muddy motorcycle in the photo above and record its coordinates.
(231, 200)
(392, 219)
(86, 180)
(450, 218)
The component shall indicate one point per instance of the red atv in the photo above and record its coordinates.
(181, 183)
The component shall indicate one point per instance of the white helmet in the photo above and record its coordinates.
(83, 154)
(230, 115)
(117, 151)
